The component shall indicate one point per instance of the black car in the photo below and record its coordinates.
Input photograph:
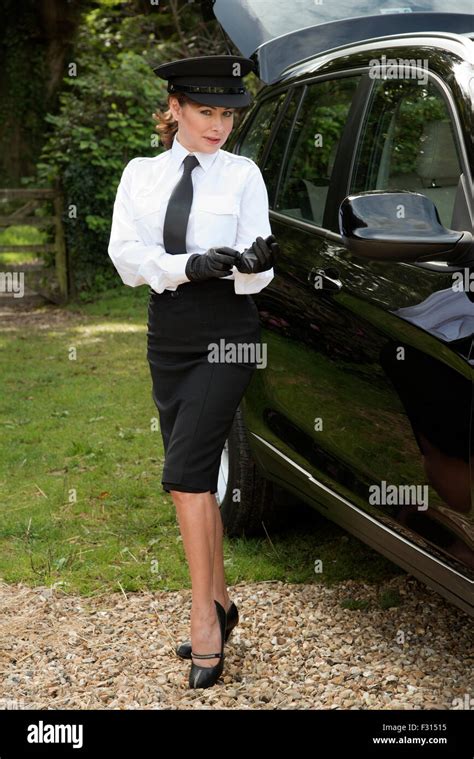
(364, 410)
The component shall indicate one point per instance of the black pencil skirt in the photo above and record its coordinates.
(203, 344)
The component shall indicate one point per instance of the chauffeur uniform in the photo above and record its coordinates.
(222, 202)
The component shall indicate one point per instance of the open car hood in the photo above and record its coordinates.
(280, 33)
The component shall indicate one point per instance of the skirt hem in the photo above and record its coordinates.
(185, 488)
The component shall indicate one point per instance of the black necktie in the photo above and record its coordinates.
(178, 210)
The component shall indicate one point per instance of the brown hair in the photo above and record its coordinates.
(167, 127)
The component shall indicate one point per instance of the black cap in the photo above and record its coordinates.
(211, 79)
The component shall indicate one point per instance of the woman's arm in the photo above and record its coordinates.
(253, 222)
(136, 262)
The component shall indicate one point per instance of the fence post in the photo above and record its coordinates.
(60, 243)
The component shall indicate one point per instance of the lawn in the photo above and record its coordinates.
(20, 235)
(81, 459)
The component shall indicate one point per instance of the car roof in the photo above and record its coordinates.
(277, 34)
(440, 51)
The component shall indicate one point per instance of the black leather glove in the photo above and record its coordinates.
(259, 257)
(215, 262)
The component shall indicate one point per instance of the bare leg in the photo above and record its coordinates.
(219, 584)
(196, 514)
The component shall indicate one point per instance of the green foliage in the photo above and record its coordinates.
(20, 235)
(405, 107)
(24, 96)
(314, 142)
(415, 111)
(105, 120)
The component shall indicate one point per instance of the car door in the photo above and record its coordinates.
(368, 390)
(283, 405)
(420, 325)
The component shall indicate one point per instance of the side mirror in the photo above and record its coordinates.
(398, 226)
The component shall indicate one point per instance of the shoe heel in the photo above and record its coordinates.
(205, 677)
(183, 650)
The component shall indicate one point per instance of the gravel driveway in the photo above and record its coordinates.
(296, 647)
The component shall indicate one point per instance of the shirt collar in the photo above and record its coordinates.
(179, 153)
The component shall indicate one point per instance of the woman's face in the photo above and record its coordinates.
(202, 128)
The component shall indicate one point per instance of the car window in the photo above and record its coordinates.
(407, 143)
(272, 168)
(313, 147)
(257, 134)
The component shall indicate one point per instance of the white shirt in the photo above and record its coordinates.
(230, 207)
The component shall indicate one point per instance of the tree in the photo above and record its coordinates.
(37, 40)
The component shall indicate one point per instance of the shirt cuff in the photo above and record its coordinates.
(171, 271)
(252, 283)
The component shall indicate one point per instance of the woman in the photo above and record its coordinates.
(190, 223)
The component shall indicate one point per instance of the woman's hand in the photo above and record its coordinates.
(259, 257)
(215, 262)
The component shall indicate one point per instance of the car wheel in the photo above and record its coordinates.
(246, 499)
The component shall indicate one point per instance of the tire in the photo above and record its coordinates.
(246, 499)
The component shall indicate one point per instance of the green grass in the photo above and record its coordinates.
(82, 502)
(20, 235)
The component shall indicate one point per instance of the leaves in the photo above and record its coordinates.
(104, 121)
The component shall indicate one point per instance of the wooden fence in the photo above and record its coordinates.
(22, 216)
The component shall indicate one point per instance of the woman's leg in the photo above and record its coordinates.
(196, 514)
(219, 584)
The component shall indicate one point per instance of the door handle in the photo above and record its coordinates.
(325, 279)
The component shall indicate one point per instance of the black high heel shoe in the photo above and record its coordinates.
(183, 650)
(204, 677)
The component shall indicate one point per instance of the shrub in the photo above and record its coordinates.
(104, 120)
